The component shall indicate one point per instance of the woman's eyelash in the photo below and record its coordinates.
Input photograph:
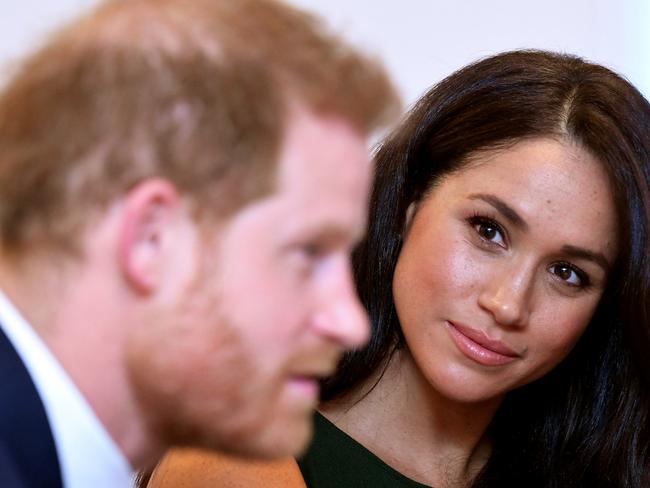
(487, 223)
(585, 282)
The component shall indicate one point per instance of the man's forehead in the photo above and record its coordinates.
(332, 201)
(321, 147)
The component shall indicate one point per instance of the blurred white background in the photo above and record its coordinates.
(421, 41)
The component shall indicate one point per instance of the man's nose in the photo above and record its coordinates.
(341, 317)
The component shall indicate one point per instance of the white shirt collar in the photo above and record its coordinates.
(87, 454)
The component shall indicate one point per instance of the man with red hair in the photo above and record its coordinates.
(181, 182)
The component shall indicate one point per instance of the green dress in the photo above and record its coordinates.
(335, 460)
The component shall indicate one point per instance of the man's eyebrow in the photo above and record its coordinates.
(595, 257)
(503, 208)
(332, 232)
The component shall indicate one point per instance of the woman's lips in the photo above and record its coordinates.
(477, 346)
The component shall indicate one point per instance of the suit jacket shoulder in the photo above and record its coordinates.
(28, 457)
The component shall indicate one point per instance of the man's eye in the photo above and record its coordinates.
(569, 274)
(312, 250)
(488, 230)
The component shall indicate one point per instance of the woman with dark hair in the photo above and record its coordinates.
(507, 278)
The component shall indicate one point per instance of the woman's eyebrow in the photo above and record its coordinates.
(503, 208)
(581, 253)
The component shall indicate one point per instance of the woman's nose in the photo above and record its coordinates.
(506, 294)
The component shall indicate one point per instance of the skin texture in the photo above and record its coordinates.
(260, 308)
(468, 263)
(514, 284)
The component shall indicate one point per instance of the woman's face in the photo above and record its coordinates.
(503, 265)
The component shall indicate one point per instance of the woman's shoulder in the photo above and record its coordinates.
(335, 459)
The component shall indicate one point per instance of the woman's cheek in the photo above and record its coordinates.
(465, 267)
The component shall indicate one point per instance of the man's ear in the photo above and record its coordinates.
(149, 213)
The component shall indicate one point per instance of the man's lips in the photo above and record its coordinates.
(305, 386)
(309, 376)
(476, 345)
(305, 382)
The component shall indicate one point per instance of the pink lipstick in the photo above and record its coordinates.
(477, 346)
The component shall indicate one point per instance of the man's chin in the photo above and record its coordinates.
(278, 441)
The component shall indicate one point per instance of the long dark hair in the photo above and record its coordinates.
(585, 423)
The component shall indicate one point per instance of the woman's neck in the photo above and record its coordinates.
(410, 426)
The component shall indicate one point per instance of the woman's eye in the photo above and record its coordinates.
(488, 230)
(569, 274)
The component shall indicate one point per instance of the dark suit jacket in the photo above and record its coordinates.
(28, 456)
